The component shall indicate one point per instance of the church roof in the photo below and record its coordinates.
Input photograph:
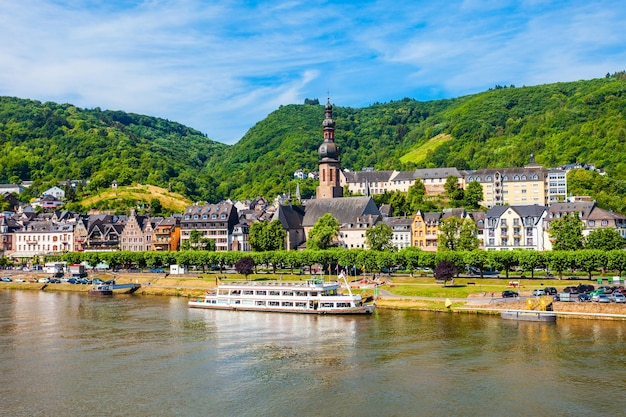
(345, 209)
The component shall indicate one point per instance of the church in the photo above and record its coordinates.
(354, 214)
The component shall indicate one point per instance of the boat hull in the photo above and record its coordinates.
(101, 293)
(365, 309)
(526, 315)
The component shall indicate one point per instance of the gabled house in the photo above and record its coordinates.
(167, 235)
(103, 234)
(592, 216)
(401, 228)
(56, 192)
(515, 227)
(137, 234)
(424, 230)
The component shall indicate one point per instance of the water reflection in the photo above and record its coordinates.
(68, 354)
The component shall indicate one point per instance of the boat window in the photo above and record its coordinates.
(274, 303)
(274, 292)
(300, 304)
(261, 292)
(287, 304)
(327, 305)
(288, 293)
(344, 305)
(260, 303)
(248, 292)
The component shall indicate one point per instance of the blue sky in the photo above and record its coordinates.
(222, 66)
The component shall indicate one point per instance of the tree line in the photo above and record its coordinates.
(358, 261)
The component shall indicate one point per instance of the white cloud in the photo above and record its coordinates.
(222, 66)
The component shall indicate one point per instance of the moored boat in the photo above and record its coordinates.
(101, 290)
(529, 315)
(314, 296)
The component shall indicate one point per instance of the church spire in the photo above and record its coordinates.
(329, 164)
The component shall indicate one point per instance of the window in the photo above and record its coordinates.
(592, 223)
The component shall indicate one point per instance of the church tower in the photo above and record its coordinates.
(329, 164)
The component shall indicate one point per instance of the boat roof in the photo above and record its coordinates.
(296, 285)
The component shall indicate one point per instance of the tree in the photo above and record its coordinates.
(453, 191)
(503, 259)
(444, 271)
(155, 207)
(473, 194)
(468, 233)
(267, 236)
(245, 266)
(457, 234)
(415, 195)
(528, 260)
(477, 259)
(378, 238)
(194, 239)
(605, 239)
(567, 232)
(617, 261)
(324, 233)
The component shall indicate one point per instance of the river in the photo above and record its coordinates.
(68, 354)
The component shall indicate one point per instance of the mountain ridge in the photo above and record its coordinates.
(559, 123)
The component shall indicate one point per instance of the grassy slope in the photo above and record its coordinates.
(171, 201)
(421, 153)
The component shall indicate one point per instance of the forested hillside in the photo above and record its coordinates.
(48, 142)
(560, 123)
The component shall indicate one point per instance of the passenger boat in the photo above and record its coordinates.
(313, 296)
(101, 290)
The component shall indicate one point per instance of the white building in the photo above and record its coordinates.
(515, 227)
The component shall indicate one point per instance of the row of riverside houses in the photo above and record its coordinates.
(25, 235)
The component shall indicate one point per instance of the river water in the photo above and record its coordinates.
(68, 354)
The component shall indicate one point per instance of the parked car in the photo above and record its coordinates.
(550, 290)
(586, 288)
(509, 294)
(617, 297)
(539, 292)
(602, 298)
(6, 279)
(73, 281)
(54, 281)
(97, 281)
(584, 297)
(571, 290)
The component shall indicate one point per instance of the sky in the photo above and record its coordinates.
(222, 66)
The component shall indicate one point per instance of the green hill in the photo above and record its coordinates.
(560, 123)
(49, 142)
